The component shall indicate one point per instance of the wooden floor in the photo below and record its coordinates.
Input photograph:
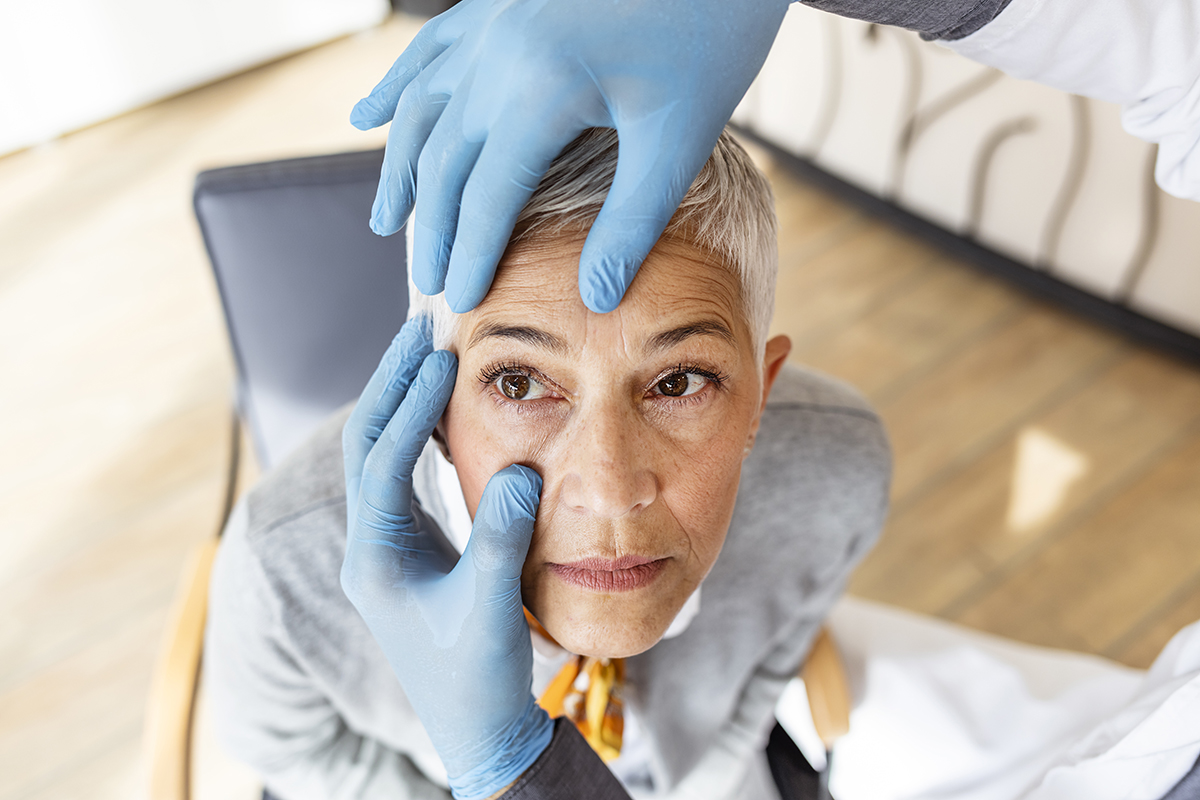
(1047, 472)
(1047, 482)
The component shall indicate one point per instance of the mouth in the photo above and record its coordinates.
(622, 574)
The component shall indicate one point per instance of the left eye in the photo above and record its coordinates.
(515, 386)
(680, 384)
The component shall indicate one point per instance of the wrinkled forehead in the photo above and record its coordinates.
(537, 282)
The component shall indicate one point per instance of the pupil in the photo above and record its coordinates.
(514, 386)
(674, 385)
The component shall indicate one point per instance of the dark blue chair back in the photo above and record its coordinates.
(311, 296)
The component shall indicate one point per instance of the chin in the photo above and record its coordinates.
(603, 624)
(607, 639)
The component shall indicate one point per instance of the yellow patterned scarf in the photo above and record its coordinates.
(588, 692)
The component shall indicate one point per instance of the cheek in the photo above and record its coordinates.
(471, 446)
(481, 445)
(700, 481)
(700, 489)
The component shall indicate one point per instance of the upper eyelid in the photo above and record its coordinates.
(714, 376)
(490, 374)
(493, 371)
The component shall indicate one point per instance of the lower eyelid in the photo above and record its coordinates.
(495, 392)
(686, 399)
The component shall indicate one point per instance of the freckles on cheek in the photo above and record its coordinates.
(477, 459)
(704, 504)
(702, 492)
(482, 445)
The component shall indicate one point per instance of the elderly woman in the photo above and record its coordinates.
(590, 469)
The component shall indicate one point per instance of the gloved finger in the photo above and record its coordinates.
(384, 544)
(509, 167)
(379, 106)
(445, 164)
(489, 572)
(388, 469)
(381, 397)
(657, 164)
(503, 527)
(417, 112)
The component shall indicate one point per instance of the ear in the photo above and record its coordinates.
(776, 353)
(774, 356)
(439, 437)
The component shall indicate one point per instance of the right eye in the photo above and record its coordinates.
(681, 384)
(516, 386)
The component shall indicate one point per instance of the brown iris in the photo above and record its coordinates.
(674, 385)
(515, 387)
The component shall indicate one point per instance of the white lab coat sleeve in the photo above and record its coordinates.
(1143, 750)
(943, 711)
(1141, 54)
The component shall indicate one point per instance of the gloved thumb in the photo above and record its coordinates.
(504, 524)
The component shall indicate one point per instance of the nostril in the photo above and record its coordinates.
(571, 492)
(645, 490)
(610, 491)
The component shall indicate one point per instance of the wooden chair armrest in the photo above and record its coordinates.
(827, 688)
(171, 706)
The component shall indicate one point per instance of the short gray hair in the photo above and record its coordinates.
(728, 211)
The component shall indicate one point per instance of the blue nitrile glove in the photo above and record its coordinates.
(454, 634)
(490, 92)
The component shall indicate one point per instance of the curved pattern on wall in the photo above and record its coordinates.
(983, 166)
(1047, 179)
(1141, 256)
(832, 96)
(920, 120)
(1081, 147)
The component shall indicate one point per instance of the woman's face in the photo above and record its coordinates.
(637, 421)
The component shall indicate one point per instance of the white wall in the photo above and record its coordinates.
(65, 64)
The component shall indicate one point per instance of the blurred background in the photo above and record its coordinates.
(987, 260)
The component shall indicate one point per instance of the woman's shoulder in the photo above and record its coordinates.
(817, 433)
(814, 491)
(289, 530)
(816, 391)
(308, 481)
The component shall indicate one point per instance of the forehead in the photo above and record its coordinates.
(537, 282)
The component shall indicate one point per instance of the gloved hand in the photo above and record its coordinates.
(454, 634)
(490, 92)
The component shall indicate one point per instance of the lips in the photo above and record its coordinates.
(611, 575)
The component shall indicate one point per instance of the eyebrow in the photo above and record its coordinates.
(525, 334)
(664, 340)
(668, 339)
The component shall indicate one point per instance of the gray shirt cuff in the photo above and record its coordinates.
(933, 19)
(568, 768)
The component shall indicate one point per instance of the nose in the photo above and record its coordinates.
(608, 465)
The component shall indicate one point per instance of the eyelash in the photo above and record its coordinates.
(495, 372)
(490, 374)
(715, 379)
